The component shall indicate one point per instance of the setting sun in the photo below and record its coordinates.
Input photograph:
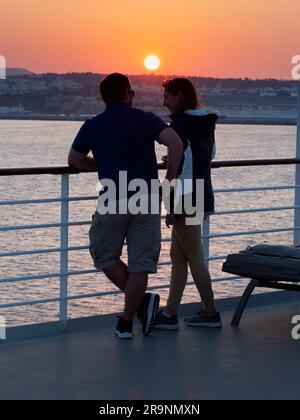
(152, 62)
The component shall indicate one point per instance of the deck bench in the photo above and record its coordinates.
(267, 266)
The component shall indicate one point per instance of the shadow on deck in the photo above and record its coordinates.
(259, 360)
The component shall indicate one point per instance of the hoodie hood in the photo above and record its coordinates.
(197, 117)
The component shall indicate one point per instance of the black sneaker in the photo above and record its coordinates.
(124, 329)
(151, 308)
(204, 320)
(164, 322)
(141, 312)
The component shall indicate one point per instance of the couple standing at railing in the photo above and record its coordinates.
(122, 140)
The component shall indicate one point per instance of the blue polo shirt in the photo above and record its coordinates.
(122, 138)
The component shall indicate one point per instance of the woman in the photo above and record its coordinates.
(196, 129)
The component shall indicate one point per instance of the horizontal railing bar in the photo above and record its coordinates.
(30, 302)
(248, 189)
(46, 200)
(257, 210)
(221, 257)
(47, 226)
(43, 251)
(52, 300)
(56, 275)
(192, 283)
(222, 279)
(69, 273)
(100, 294)
(52, 250)
(42, 226)
(84, 223)
(249, 232)
(51, 170)
(254, 162)
(85, 247)
(60, 170)
(75, 248)
(33, 201)
(45, 276)
(225, 212)
(92, 198)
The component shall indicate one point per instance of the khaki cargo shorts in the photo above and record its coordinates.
(143, 236)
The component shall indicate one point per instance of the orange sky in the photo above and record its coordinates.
(223, 38)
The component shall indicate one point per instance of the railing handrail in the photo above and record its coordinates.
(61, 170)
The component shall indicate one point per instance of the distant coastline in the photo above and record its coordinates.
(222, 120)
(75, 97)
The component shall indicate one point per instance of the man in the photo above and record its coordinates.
(122, 138)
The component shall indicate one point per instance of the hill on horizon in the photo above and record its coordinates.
(15, 71)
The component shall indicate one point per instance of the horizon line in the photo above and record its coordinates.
(30, 72)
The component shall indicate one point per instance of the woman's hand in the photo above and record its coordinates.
(170, 220)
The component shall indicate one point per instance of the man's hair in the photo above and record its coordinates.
(114, 88)
(189, 99)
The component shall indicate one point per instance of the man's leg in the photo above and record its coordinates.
(143, 239)
(136, 286)
(118, 275)
(107, 235)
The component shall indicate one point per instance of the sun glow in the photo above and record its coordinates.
(152, 62)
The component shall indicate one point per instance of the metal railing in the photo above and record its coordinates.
(64, 225)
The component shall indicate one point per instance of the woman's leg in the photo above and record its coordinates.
(179, 274)
(189, 239)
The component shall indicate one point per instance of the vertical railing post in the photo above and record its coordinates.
(205, 240)
(297, 178)
(64, 243)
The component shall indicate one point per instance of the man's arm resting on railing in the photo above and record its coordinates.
(169, 138)
(81, 161)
